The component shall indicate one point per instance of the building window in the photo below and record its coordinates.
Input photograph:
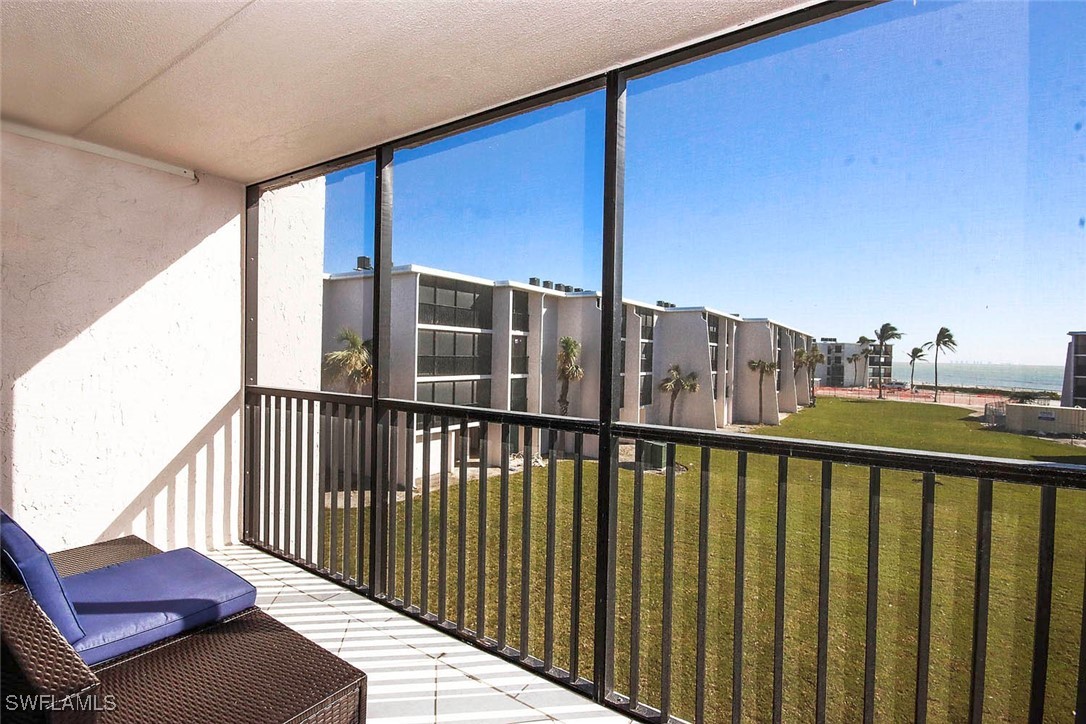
(520, 355)
(444, 354)
(518, 394)
(520, 311)
(646, 357)
(454, 303)
(471, 393)
(648, 322)
(646, 390)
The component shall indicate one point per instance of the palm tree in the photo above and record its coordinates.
(354, 362)
(865, 343)
(675, 383)
(813, 358)
(854, 359)
(762, 368)
(886, 333)
(569, 350)
(944, 339)
(917, 354)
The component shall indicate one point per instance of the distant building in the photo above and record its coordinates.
(1074, 372)
(838, 371)
(463, 340)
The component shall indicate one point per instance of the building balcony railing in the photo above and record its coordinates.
(709, 578)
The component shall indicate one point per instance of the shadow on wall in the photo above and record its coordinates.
(195, 499)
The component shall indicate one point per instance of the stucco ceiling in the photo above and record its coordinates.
(250, 90)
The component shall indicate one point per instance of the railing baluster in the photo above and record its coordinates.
(778, 606)
(669, 587)
(635, 573)
(703, 588)
(268, 402)
(325, 480)
(480, 568)
(393, 495)
(548, 594)
(462, 530)
(740, 565)
(443, 526)
(980, 600)
(251, 467)
(299, 473)
(311, 466)
(287, 543)
(277, 480)
(871, 634)
(526, 545)
(823, 593)
(923, 648)
(575, 553)
(424, 568)
(1043, 609)
(503, 537)
(410, 435)
(360, 488)
(349, 462)
(336, 478)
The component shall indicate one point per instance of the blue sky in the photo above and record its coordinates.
(923, 165)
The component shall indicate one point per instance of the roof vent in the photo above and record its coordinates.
(364, 264)
(534, 281)
(548, 284)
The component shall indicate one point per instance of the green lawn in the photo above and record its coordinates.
(1014, 554)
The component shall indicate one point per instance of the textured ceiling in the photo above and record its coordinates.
(250, 90)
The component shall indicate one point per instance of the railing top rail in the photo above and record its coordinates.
(483, 414)
(954, 464)
(454, 412)
(342, 398)
(959, 465)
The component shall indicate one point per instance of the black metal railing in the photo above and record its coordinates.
(756, 577)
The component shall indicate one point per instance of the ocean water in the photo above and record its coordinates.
(1030, 377)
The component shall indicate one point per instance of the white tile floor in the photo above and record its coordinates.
(416, 675)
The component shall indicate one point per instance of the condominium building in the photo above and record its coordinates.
(851, 364)
(464, 340)
(1074, 372)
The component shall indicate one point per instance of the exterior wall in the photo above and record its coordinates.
(855, 375)
(1067, 396)
(1042, 418)
(122, 337)
(803, 387)
(631, 406)
(1074, 372)
(682, 338)
(290, 296)
(787, 397)
(404, 355)
(537, 321)
(753, 341)
(348, 303)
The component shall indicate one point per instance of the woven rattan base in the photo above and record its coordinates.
(248, 668)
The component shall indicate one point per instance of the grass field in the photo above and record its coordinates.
(944, 428)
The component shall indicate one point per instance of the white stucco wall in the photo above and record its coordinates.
(754, 341)
(682, 338)
(121, 338)
(1067, 394)
(787, 398)
(348, 303)
(290, 295)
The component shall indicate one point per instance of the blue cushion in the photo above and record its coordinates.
(136, 603)
(30, 564)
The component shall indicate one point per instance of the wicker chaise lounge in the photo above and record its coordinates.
(246, 667)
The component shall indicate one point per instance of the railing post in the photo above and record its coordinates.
(381, 354)
(607, 490)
